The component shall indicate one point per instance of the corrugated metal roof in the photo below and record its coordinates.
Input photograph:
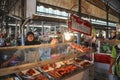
(114, 4)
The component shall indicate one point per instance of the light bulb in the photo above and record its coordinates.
(67, 36)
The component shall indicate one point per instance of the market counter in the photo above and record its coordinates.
(102, 62)
(86, 74)
(102, 58)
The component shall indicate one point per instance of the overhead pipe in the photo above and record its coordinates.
(22, 27)
(15, 17)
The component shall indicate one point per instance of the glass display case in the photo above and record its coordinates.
(52, 61)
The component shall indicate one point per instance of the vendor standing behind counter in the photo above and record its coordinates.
(29, 55)
(30, 39)
(19, 54)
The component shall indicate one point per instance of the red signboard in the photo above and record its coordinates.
(102, 58)
(80, 25)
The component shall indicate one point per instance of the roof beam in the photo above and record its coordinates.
(101, 5)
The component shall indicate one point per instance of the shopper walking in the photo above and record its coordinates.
(115, 60)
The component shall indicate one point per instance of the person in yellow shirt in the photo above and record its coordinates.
(115, 60)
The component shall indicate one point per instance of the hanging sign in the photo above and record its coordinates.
(80, 25)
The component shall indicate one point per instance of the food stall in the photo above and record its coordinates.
(61, 61)
(62, 64)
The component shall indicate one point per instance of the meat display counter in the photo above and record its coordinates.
(53, 62)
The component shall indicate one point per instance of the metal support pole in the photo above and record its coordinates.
(16, 28)
(119, 18)
(79, 14)
(27, 28)
(16, 34)
(42, 28)
(23, 8)
(107, 20)
(79, 8)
